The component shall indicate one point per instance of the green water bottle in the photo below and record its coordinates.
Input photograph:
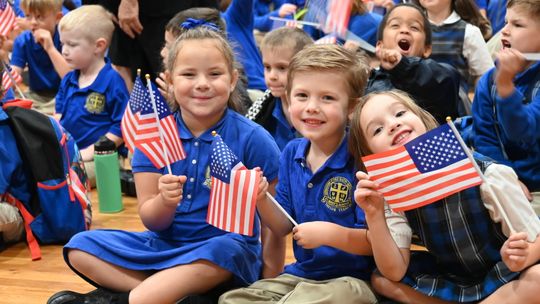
(107, 176)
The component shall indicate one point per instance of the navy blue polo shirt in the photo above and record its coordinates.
(284, 132)
(93, 111)
(250, 142)
(41, 72)
(327, 196)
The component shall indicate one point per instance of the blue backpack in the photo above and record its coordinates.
(59, 206)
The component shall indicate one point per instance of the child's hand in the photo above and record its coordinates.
(170, 189)
(163, 87)
(87, 154)
(366, 195)
(515, 250)
(510, 62)
(389, 58)
(43, 37)
(263, 185)
(310, 235)
(286, 9)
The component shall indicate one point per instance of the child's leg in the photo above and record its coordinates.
(522, 290)
(103, 273)
(401, 292)
(262, 291)
(170, 285)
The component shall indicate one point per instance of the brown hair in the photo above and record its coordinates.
(294, 38)
(426, 25)
(41, 6)
(212, 15)
(335, 58)
(532, 7)
(201, 33)
(358, 145)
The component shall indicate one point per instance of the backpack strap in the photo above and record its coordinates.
(28, 218)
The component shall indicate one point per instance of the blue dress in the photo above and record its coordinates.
(190, 237)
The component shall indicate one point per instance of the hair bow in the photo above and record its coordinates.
(191, 23)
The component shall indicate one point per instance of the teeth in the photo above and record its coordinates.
(400, 137)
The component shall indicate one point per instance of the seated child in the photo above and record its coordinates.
(92, 98)
(39, 49)
(271, 111)
(505, 107)
(181, 254)
(315, 184)
(482, 242)
(404, 43)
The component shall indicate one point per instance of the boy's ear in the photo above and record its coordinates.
(101, 45)
(59, 16)
(427, 51)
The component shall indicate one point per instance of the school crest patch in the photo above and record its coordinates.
(207, 178)
(337, 194)
(95, 103)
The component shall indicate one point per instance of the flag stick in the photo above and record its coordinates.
(532, 56)
(8, 72)
(488, 186)
(317, 25)
(281, 209)
(160, 131)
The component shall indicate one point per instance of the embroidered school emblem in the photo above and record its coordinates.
(207, 179)
(336, 194)
(95, 103)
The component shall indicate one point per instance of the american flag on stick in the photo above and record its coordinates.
(9, 76)
(337, 20)
(423, 171)
(7, 18)
(233, 195)
(152, 129)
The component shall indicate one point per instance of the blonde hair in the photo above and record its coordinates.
(290, 37)
(332, 58)
(358, 145)
(41, 6)
(201, 33)
(91, 21)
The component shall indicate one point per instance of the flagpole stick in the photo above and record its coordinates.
(317, 25)
(488, 186)
(12, 80)
(281, 208)
(160, 131)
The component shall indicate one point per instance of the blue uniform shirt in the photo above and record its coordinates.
(12, 175)
(251, 143)
(26, 51)
(283, 132)
(93, 111)
(327, 196)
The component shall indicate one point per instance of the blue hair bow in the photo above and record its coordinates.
(191, 23)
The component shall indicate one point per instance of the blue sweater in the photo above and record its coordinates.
(518, 118)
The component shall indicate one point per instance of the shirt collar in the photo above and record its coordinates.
(186, 134)
(338, 160)
(453, 18)
(100, 84)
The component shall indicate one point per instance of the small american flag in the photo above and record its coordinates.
(7, 81)
(7, 18)
(423, 171)
(233, 195)
(139, 127)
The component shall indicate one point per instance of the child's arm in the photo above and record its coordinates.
(392, 261)
(158, 196)
(271, 215)
(510, 63)
(311, 235)
(43, 37)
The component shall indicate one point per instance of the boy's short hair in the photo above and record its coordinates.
(41, 6)
(92, 21)
(532, 7)
(207, 14)
(334, 58)
(294, 38)
(427, 25)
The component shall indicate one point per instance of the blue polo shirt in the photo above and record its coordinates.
(93, 111)
(12, 176)
(326, 196)
(41, 72)
(284, 132)
(251, 143)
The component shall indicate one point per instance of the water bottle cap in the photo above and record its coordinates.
(104, 145)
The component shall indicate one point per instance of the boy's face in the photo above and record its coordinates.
(319, 105)
(387, 123)
(43, 20)
(404, 32)
(78, 51)
(276, 65)
(521, 31)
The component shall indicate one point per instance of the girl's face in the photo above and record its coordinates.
(437, 6)
(521, 31)
(387, 123)
(404, 32)
(319, 106)
(202, 81)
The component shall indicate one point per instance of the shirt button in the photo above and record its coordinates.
(194, 161)
(188, 196)
(310, 185)
(196, 144)
(192, 179)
